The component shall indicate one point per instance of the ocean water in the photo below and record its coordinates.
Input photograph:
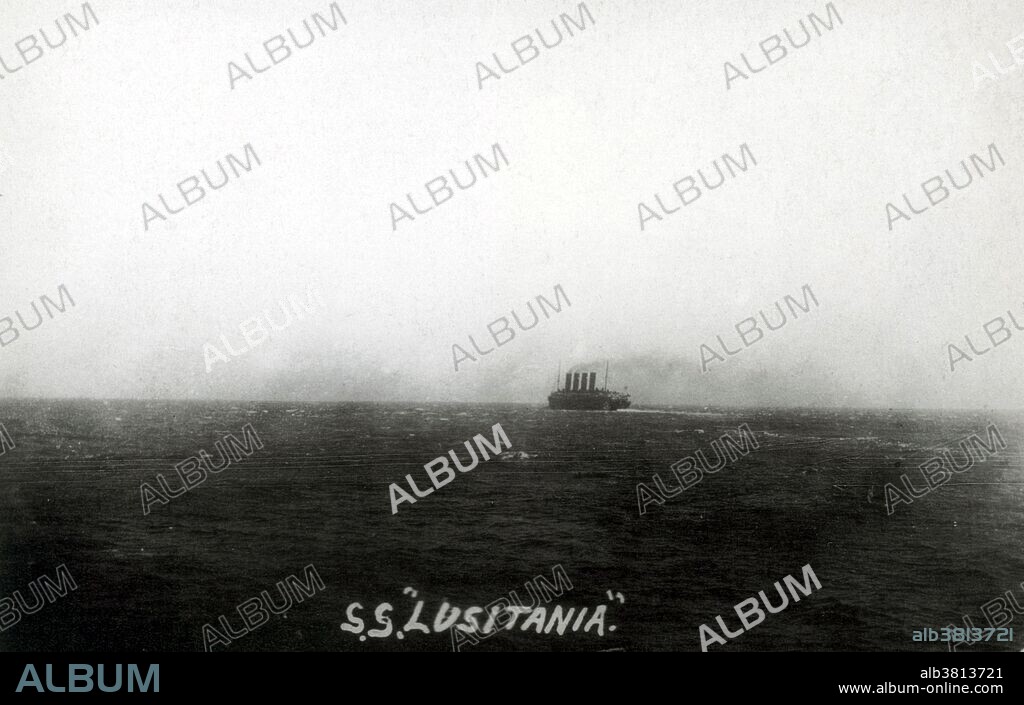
(317, 493)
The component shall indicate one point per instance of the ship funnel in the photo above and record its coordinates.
(568, 381)
(575, 381)
(593, 382)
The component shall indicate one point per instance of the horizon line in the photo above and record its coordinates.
(704, 407)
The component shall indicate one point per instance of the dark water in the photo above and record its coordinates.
(317, 493)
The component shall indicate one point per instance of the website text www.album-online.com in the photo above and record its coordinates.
(889, 688)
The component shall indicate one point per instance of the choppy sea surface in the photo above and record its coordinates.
(317, 493)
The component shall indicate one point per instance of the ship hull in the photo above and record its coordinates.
(588, 401)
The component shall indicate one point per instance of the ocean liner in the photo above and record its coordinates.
(581, 393)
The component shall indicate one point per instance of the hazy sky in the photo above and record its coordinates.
(614, 114)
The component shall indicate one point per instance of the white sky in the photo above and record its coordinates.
(591, 127)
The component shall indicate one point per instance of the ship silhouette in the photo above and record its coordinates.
(581, 393)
